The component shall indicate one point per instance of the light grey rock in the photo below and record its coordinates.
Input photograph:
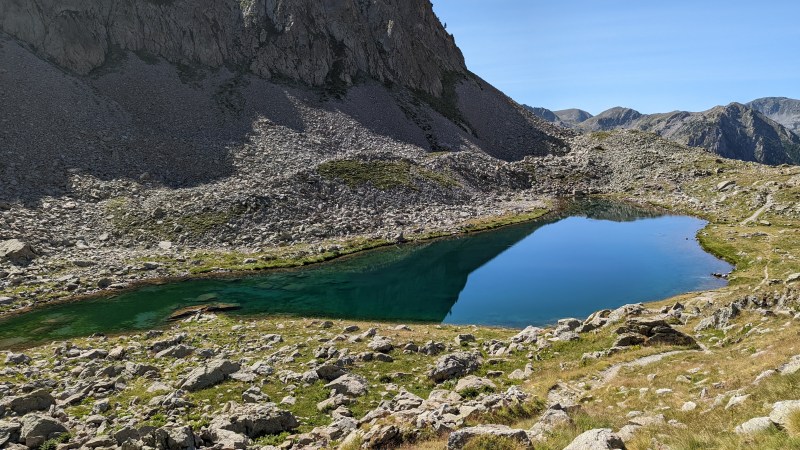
(37, 428)
(597, 439)
(381, 344)
(473, 383)
(213, 373)
(782, 412)
(171, 438)
(39, 400)
(754, 425)
(460, 438)
(179, 351)
(527, 336)
(16, 252)
(455, 365)
(349, 385)
(551, 419)
(255, 421)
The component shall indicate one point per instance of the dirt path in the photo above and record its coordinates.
(758, 212)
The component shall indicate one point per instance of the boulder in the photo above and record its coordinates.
(179, 351)
(754, 425)
(782, 412)
(16, 252)
(9, 432)
(381, 344)
(455, 365)
(171, 438)
(460, 438)
(227, 439)
(474, 384)
(39, 400)
(349, 385)
(254, 421)
(329, 372)
(527, 336)
(37, 428)
(213, 373)
(17, 358)
(597, 439)
(551, 419)
(652, 332)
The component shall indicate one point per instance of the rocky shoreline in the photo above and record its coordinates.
(635, 377)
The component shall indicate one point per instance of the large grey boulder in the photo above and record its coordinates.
(37, 428)
(471, 383)
(39, 400)
(16, 252)
(552, 418)
(9, 432)
(254, 421)
(213, 373)
(782, 412)
(458, 439)
(754, 425)
(349, 385)
(597, 439)
(17, 358)
(650, 332)
(455, 365)
(171, 438)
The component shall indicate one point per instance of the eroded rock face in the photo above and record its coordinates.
(394, 41)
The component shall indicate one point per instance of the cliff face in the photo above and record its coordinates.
(313, 42)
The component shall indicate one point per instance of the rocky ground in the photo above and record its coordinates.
(666, 375)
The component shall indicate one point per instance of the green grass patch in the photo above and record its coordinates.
(384, 175)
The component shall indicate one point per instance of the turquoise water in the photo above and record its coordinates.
(592, 257)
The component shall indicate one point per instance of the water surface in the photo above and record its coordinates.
(594, 256)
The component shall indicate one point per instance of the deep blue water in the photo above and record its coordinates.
(595, 256)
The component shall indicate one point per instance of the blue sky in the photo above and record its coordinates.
(653, 56)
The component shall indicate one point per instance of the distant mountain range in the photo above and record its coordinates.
(766, 130)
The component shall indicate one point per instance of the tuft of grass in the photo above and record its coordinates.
(52, 444)
(601, 135)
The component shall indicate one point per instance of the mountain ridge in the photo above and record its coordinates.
(736, 130)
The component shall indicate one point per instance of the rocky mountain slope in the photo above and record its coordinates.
(573, 116)
(734, 131)
(785, 111)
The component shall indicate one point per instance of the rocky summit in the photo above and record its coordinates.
(152, 140)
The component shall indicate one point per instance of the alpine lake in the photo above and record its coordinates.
(591, 255)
